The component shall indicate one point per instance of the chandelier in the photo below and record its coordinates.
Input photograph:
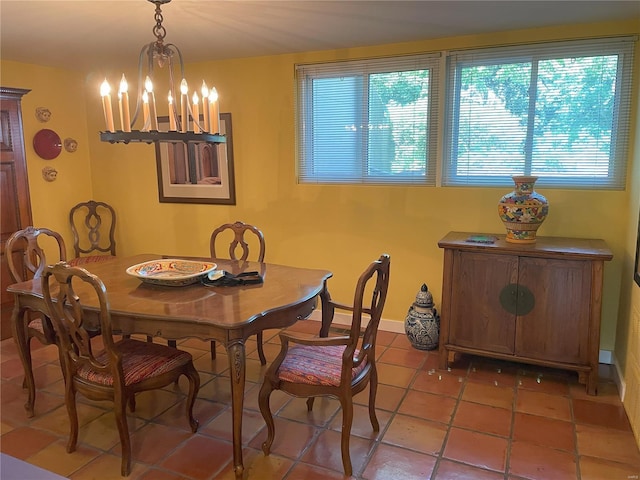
(188, 124)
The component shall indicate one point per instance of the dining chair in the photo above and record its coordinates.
(26, 259)
(93, 226)
(240, 235)
(124, 368)
(242, 232)
(334, 366)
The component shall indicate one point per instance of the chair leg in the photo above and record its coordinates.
(132, 402)
(263, 403)
(120, 407)
(29, 382)
(373, 389)
(263, 359)
(22, 340)
(347, 420)
(70, 401)
(310, 403)
(213, 349)
(194, 387)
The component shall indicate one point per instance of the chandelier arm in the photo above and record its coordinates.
(173, 108)
(144, 51)
(174, 48)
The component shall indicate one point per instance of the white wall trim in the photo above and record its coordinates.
(605, 356)
(339, 318)
(622, 385)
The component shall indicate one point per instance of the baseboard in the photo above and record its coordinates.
(622, 385)
(392, 326)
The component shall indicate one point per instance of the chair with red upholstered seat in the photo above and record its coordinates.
(116, 373)
(26, 259)
(335, 366)
(93, 226)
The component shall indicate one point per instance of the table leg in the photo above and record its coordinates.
(327, 311)
(237, 367)
(19, 330)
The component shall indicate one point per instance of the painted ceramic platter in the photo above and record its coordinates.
(172, 272)
(47, 144)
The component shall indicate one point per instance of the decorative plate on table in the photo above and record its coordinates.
(172, 272)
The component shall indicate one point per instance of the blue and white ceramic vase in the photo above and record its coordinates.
(422, 324)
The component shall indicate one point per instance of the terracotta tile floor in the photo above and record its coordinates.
(481, 419)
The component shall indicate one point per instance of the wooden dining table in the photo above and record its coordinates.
(226, 314)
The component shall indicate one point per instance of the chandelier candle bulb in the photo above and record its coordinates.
(195, 112)
(120, 110)
(148, 85)
(205, 105)
(145, 111)
(214, 112)
(106, 105)
(184, 89)
(172, 115)
(125, 116)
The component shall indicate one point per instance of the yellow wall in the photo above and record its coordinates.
(62, 92)
(627, 344)
(341, 228)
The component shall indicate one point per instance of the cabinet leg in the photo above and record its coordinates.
(443, 361)
(590, 381)
(451, 357)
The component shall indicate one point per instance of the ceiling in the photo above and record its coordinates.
(89, 34)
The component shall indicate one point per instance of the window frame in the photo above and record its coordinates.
(440, 164)
(306, 74)
(618, 160)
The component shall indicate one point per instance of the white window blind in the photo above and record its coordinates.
(368, 121)
(559, 111)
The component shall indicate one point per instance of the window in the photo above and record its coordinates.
(557, 111)
(368, 121)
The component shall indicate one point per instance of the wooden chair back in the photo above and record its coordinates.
(93, 225)
(67, 317)
(25, 252)
(239, 240)
(26, 259)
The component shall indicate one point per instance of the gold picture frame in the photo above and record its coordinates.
(197, 172)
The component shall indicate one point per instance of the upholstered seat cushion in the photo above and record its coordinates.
(140, 361)
(315, 365)
(36, 324)
(79, 261)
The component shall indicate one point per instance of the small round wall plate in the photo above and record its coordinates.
(47, 144)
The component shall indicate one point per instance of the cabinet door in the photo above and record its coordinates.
(557, 328)
(477, 317)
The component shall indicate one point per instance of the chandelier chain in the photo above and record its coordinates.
(158, 30)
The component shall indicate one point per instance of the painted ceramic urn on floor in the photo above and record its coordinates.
(523, 211)
(422, 324)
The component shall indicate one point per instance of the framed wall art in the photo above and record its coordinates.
(197, 172)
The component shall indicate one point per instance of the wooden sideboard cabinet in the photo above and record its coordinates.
(537, 303)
